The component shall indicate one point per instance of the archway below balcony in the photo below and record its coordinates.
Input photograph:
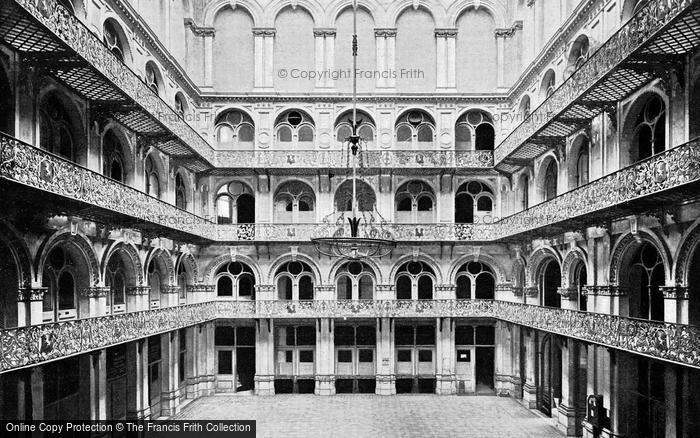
(7, 107)
(549, 376)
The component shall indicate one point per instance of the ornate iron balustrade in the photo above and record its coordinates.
(338, 159)
(39, 169)
(650, 21)
(73, 33)
(26, 346)
(668, 170)
(399, 232)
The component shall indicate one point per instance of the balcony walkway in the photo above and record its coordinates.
(375, 416)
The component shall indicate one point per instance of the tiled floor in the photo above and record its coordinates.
(375, 416)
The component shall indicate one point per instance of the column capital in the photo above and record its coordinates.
(324, 32)
(517, 291)
(385, 32)
(530, 291)
(264, 31)
(445, 32)
(606, 290)
(504, 287)
(385, 287)
(264, 288)
(138, 290)
(675, 292)
(169, 289)
(198, 30)
(567, 293)
(95, 292)
(201, 288)
(31, 293)
(444, 287)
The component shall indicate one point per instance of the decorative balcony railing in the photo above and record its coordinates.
(668, 170)
(98, 74)
(338, 159)
(39, 169)
(662, 27)
(399, 232)
(26, 346)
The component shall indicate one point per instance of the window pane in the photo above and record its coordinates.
(485, 335)
(344, 288)
(366, 287)
(306, 288)
(245, 336)
(66, 292)
(403, 288)
(464, 288)
(306, 134)
(345, 356)
(224, 287)
(403, 133)
(284, 288)
(366, 356)
(306, 335)
(425, 335)
(344, 335)
(464, 356)
(246, 286)
(403, 356)
(284, 134)
(425, 134)
(403, 335)
(425, 288)
(225, 362)
(425, 356)
(225, 336)
(245, 133)
(366, 335)
(306, 356)
(464, 335)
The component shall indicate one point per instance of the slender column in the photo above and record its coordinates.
(208, 38)
(193, 349)
(566, 411)
(386, 57)
(135, 409)
(264, 57)
(36, 377)
(30, 302)
(145, 384)
(96, 300)
(386, 376)
(324, 48)
(264, 357)
(210, 353)
(445, 351)
(98, 385)
(529, 386)
(446, 47)
(505, 373)
(675, 304)
(501, 57)
(170, 393)
(325, 357)
(671, 399)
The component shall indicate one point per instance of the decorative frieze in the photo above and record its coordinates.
(138, 290)
(568, 293)
(504, 287)
(201, 288)
(606, 290)
(94, 292)
(168, 289)
(31, 294)
(325, 32)
(531, 292)
(675, 292)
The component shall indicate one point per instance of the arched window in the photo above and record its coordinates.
(355, 281)
(365, 127)
(473, 202)
(650, 129)
(180, 192)
(415, 130)
(152, 178)
(549, 282)
(582, 165)
(153, 77)
(55, 129)
(113, 160)
(180, 105)
(295, 202)
(182, 283)
(154, 284)
(415, 203)
(366, 198)
(112, 37)
(646, 276)
(294, 128)
(235, 130)
(524, 191)
(235, 201)
(525, 108)
(235, 279)
(580, 281)
(550, 181)
(68, 4)
(549, 82)
(60, 302)
(295, 281)
(474, 127)
(115, 279)
(475, 280)
(578, 54)
(415, 280)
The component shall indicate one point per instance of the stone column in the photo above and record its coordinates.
(30, 305)
(445, 292)
(384, 292)
(170, 388)
(446, 48)
(137, 406)
(192, 363)
(569, 297)
(324, 292)
(531, 295)
(325, 357)
(566, 411)
(505, 372)
(529, 386)
(170, 295)
(137, 298)
(386, 376)
(96, 298)
(325, 53)
(264, 61)
(445, 379)
(210, 353)
(504, 292)
(675, 304)
(36, 377)
(208, 40)
(98, 385)
(264, 357)
(386, 57)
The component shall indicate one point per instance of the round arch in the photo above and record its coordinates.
(333, 272)
(218, 262)
(537, 261)
(496, 9)
(79, 242)
(251, 6)
(420, 258)
(312, 7)
(571, 259)
(132, 255)
(187, 261)
(684, 254)
(435, 9)
(19, 252)
(288, 257)
(161, 256)
(338, 6)
(630, 126)
(623, 247)
(481, 258)
(541, 176)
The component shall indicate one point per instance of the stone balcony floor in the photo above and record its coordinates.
(375, 416)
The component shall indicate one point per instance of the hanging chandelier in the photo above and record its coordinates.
(364, 234)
